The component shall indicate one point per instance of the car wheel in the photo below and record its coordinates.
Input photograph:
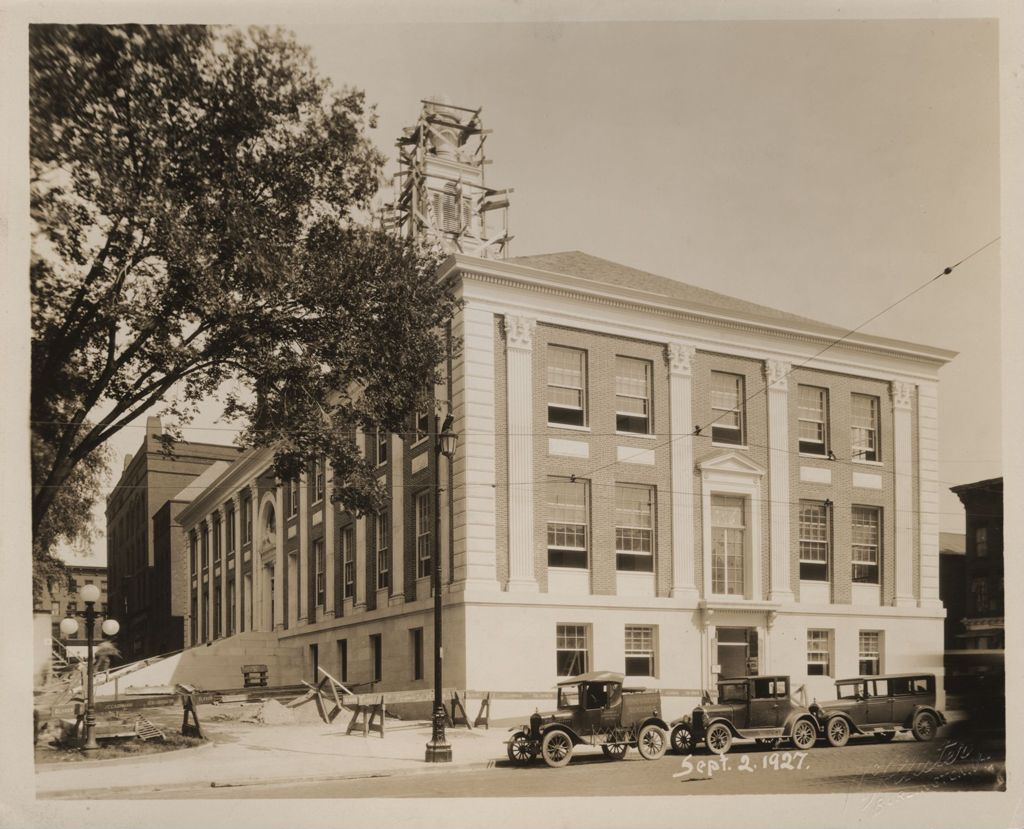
(804, 734)
(837, 731)
(682, 739)
(925, 726)
(652, 742)
(521, 749)
(770, 743)
(616, 751)
(556, 749)
(885, 736)
(718, 738)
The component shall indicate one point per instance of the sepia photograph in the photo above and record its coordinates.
(503, 415)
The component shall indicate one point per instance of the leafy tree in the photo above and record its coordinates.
(196, 197)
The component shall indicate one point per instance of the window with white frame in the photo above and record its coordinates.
(634, 528)
(814, 541)
(320, 561)
(812, 416)
(204, 545)
(193, 546)
(632, 395)
(346, 540)
(55, 609)
(727, 408)
(819, 653)
(981, 542)
(640, 646)
(319, 481)
(567, 392)
(567, 505)
(229, 528)
(383, 558)
(247, 519)
(293, 498)
(869, 656)
(728, 542)
(572, 649)
(424, 558)
(864, 427)
(866, 544)
(216, 538)
(382, 447)
(421, 424)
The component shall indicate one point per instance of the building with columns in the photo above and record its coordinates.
(651, 478)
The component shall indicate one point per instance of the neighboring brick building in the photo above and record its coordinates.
(62, 601)
(982, 628)
(144, 557)
(651, 477)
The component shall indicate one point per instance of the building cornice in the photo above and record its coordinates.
(508, 274)
(250, 465)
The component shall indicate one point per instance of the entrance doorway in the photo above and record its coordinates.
(737, 652)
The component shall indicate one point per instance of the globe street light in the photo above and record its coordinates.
(446, 442)
(90, 594)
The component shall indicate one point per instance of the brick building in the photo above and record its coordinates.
(651, 478)
(147, 570)
(62, 600)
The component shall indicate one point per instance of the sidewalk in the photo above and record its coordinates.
(241, 754)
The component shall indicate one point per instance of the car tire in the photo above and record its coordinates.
(718, 738)
(521, 749)
(616, 751)
(925, 726)
(885, 736)
(804, 734)
(682, 739)
(556, 748)
(837, 732)
(652, 742)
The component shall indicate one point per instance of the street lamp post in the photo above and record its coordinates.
(90, 594)
(438, 749)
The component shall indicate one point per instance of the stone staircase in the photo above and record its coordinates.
(215, 666)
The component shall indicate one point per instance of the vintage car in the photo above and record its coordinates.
(593, 709)
(880, 706)
(748, 708)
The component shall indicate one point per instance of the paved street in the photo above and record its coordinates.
(896, 770)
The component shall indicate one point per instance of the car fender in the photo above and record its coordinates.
(794, 718)
(658, 721)
(822, 721)
(935, 712)
(576, 739)
(687, 721)
(726, 722)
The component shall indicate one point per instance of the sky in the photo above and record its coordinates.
(826, 168)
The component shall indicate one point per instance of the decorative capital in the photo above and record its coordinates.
(680, 358)
(776, 372)
(902, 394)
(519, 332)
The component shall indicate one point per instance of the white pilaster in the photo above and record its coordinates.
(928, 479)
(236, 512)
(362, 545)
(198, 573)
(902, 399)
(397, 517)
(279, 557)
(258, 608)
(519, 333)
(680, 391)
(211, 585)
(305, 568)
(473, 478)
(223, 574)
(778, 479)
(328, 507)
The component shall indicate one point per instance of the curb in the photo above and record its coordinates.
(110, 762)
(125, 792)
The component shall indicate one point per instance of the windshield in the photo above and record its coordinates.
(732, 692)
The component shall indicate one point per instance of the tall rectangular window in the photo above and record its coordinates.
(343, 660)
(864, 427)
(634, 528)
(812, 415)
(632, 395)
(348, 563)
(567, 522)
(229, 528)
(424, 558)
(814, 541)
(416, 646)
(981, 542)
(567, 392)
(819, 653)
(376, 656)
(204, 545)
(421, 423)
(728, 540)
(383, 557)
(55, 609)
(866, 544)
(320, 562)
(727, 408)
(247, 519)
(216, 538)
(193, 545)
(216, 612)
(572, 649)
(293, 498)
(193, 621)
(231, 607)
(319, 481)
(640, 650)
(869, 657)
(382, 447)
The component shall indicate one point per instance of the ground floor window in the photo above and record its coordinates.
(640, 644)
(377, 656)
(343, 660)
(819, 653)
(870, 653)
(416, 645)
(572, 649)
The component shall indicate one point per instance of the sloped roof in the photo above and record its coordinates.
(952, 543)
(202, 481)
(585, 266)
